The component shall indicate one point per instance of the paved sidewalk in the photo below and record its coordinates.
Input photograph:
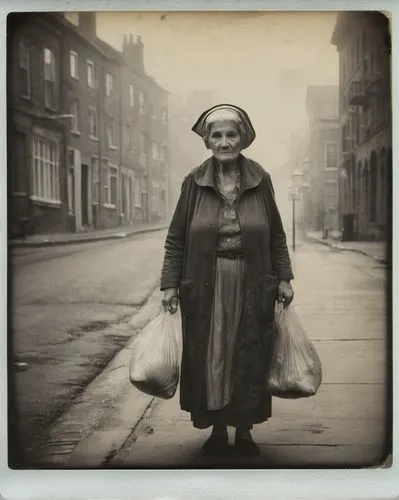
(377, 250)
(44, 240)
(341, 302)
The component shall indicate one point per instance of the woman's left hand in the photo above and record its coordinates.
(285, 293)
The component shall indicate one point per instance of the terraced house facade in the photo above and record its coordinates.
(363, 42)
(68, 132)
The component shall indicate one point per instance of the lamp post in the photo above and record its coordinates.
(294, 195)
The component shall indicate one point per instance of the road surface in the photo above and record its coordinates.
(70, 309)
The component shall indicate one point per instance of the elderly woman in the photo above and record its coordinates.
(226, 260)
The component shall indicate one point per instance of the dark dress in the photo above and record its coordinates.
(227, 304)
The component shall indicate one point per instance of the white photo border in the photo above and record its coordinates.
(181, 484)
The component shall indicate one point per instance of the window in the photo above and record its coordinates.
(141, 103)
(131, 94)
(151, 109)
(93, 122)
(45, 170)
(109, 85)
(75, 116)
(105, 179)
(128, 138)
(164, 116)
(111, 132)
(24, 69)
(154, 148)
(90, 75)
(73, 64)
(330, 155)
(113, 186)
(49, 79)
(96, 180)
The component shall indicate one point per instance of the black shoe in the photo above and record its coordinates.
(246, 447)
(216, 444)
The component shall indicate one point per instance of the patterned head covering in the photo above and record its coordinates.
(226, 112)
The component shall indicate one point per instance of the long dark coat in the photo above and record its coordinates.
(190, 263)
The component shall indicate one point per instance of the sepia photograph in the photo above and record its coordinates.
(199, 240)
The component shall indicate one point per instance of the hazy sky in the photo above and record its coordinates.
(245, 57)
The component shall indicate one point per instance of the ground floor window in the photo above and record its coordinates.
(45, 170)
(113, 186)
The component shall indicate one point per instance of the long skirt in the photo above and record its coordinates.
(226, 316)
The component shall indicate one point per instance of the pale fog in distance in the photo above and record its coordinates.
(260, 61)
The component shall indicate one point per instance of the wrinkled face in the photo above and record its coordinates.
(224, 141)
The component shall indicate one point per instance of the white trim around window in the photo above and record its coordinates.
(75, 120)
(131, 94)
(25, 68)
(91, 74)
(326, 145)
(93, 122)
(49, 79)
(74, 64)
(109, 85)
(45, 170)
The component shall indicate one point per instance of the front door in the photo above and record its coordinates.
(85, 195)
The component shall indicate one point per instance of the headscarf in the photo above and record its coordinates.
(227, 112)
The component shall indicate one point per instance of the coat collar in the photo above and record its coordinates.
(252, 174)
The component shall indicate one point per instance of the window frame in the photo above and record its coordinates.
(90, 64)
(75, 121)
(109, 85)
(94, 165)
(113, 172)
(49, 100)
(93, 108)
(25, 66)
(142, 103)
(44, 188)
(112, 138)
(326, 144)
(74, 54)
(132, 92)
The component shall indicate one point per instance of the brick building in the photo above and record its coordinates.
(363, 42)
(187, 149)
(322, 174)
(145, 148)
(68, 114)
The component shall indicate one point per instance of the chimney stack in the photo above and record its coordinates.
(133, 53)
(87, 24)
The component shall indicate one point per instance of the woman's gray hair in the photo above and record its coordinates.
(237, 123)
(222, 113)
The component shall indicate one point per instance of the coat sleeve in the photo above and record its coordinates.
(279, 248)
(175, 240)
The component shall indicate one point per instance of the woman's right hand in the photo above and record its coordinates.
(170, 300)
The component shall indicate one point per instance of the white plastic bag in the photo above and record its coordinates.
(295, 370)
(156, 355)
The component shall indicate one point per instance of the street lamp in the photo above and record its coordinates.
(294, 195)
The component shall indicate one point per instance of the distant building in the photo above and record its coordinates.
(363, 42)
(73, 166)
(187, 149)
(322, 110)
(145, 145)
